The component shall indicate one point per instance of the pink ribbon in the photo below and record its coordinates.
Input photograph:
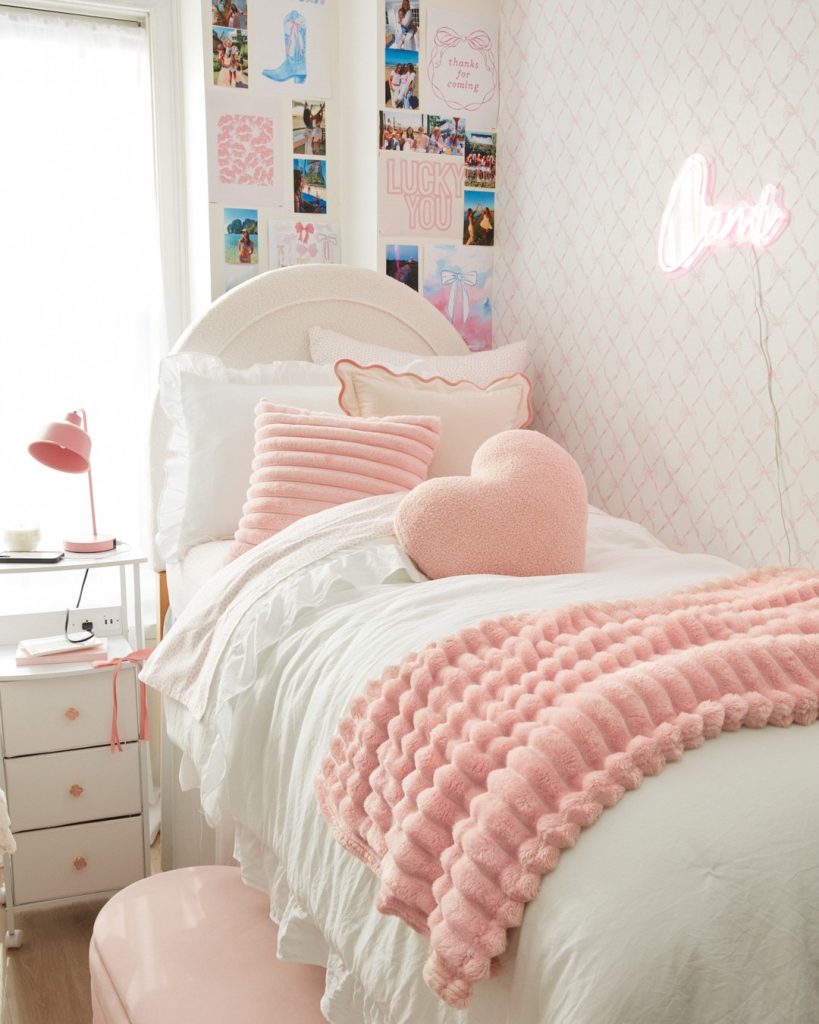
(447, 37)
(304, 231)
(480, 41)
(135, 658)
(295, 39)
(327, 239)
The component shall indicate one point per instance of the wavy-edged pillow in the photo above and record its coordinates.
(469, 414)
(482, 368)
(304, 462)
(210, 407)
(522, 512)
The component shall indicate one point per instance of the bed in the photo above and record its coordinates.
(695, 899)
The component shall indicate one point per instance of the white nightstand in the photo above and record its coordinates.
(79, 811)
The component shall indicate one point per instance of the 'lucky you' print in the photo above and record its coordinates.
(420, 195)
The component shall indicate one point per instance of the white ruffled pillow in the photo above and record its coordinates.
(210, 407)
(481, 368)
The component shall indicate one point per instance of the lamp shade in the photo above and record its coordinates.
(63, 445)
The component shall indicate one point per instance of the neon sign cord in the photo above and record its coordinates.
(764, 338)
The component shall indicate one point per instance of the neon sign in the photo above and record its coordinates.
(692, 225)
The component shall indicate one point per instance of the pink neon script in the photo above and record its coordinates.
(691, 224)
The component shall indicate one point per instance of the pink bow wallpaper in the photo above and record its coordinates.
(659, 386)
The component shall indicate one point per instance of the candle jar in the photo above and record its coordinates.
(21, 538)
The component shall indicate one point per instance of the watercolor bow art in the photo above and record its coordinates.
(328, 241)
(304, 246)
(303, 231)
(459, 283)
(462, 69)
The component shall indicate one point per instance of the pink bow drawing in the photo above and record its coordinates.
(481, 42)
(459, 282)
(303, 231)
(327, 240)
(446, 37)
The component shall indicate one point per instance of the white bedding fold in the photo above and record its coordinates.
(184, 664)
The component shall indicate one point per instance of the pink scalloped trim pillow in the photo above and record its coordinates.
(522, 512)
(304, 462)
(469, 413)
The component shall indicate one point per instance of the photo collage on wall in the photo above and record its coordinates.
(437, 143)
(303, 241)
(309, 170)
(268, 104)
(241, 244)
(402, 36)
(229, 43)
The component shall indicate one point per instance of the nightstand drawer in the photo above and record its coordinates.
(63, 713)
(78, 785)
(77, 860)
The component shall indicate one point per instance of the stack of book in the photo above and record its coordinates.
(51, 650)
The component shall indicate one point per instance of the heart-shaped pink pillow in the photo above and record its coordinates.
(522, 512)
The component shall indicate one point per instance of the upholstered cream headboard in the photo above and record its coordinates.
(268, 318)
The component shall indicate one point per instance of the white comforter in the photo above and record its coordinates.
(696, 899)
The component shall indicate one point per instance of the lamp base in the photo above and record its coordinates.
(98, 542)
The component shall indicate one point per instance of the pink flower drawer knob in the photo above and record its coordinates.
(80, 863)
(76, 790)
(72, 714)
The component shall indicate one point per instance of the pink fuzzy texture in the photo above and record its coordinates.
(522, 512)
(461, 775)
(304, 462)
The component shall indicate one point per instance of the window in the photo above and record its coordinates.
(83, 320)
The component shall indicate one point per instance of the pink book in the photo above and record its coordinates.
(97, 653)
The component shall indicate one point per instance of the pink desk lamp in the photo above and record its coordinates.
(65, 445)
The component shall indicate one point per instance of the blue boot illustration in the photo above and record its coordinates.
(294, 64)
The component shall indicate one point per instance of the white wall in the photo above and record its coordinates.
(359, 57)
(196, 170)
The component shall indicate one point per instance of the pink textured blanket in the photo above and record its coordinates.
(462, 773)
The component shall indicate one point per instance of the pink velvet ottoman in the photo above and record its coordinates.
(195, 946)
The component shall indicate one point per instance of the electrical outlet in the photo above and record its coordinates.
(104, 621)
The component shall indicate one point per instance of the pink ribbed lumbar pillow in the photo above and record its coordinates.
(522, 512)
(304, 462)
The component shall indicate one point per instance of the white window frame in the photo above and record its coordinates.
(162, 21)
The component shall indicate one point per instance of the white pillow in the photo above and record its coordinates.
(481, 368)
(210, 407)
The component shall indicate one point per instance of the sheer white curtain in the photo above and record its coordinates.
(79, 268)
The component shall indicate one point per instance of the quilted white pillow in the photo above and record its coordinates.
(210, 407)
(481, 368)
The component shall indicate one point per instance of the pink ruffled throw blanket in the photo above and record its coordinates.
(461, 775)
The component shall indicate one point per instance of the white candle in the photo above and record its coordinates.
(22, 538)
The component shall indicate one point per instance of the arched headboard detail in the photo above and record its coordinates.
(268, 318)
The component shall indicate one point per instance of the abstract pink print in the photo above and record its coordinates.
(244, 150)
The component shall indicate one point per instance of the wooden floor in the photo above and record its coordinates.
(46, 980)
